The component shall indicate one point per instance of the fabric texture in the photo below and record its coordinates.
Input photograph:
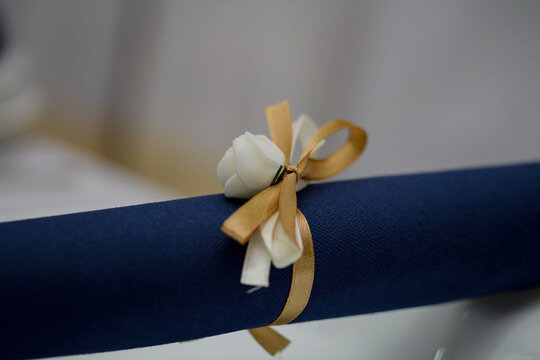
(163, 272)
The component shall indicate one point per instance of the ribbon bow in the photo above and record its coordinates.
(281, 197)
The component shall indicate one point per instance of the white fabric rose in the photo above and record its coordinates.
(252, 164)
(249, 166)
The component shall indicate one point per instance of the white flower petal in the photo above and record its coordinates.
(300, 184)
(226, 168)
(268, 148)
(267, 230)
(253, 167)
(303, 129)
(235, 188)
(256, 269)
(281, 248)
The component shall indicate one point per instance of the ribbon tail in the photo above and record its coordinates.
(243, 223)
(287, 205)
(272, 341)
(303, 275)
(302, 281)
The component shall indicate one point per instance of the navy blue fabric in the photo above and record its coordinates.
(163, 272)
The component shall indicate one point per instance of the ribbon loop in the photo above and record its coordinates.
(319, 169)
(280, 124)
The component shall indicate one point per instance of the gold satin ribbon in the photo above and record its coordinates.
(282, 197)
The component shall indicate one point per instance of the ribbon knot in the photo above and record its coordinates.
(281, 197)
(292, 170)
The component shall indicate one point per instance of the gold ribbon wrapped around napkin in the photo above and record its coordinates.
(281, 198)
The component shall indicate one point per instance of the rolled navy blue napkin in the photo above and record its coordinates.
(163, 272)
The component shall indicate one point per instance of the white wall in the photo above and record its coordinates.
(71, 44)
(436, 84)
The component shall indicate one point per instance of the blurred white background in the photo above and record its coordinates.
(162, 87)
(436, 84)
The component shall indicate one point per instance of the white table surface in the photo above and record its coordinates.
(41, 177)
